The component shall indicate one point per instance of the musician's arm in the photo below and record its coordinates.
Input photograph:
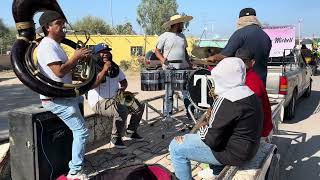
(188, 58)
(160, 56)
(61, 69)
(216, 58)
(101, 76)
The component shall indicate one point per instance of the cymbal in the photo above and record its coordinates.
(202, 62)
(204, 52)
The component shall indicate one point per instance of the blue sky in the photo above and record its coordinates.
(218, 17)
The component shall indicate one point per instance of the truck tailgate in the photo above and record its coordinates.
(273, 79)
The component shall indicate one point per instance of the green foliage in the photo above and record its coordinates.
(93, 25)
(151, 14)
(7, 36)
(124, 29)
(3, 28)
(186, 24)
(125, 65)
(134, 65)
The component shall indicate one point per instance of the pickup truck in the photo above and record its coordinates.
(289, 78)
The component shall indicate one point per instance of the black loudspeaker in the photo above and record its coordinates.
(40, 144)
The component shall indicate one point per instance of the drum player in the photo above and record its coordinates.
(172, 53)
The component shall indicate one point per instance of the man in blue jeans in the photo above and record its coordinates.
(54, 63)
(172, 53)
(231, 133)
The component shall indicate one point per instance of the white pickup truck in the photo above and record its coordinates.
(289, 78)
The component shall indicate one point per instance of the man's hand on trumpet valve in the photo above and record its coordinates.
(82, 54)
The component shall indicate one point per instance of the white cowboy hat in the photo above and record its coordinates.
(176, 19)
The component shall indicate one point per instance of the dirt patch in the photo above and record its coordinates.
(5, 63)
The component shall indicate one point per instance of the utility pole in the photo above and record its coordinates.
(299, 29)
(111, 13)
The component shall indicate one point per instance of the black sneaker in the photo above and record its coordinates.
(118, 143)
(133, 136)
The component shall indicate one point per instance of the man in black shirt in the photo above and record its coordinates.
(249, 35)
(232, 133)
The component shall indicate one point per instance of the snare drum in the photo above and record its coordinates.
(180, 78)
(152, 80)
(199, 96)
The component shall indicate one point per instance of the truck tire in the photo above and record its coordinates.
(291, 108)
(308, 91)
(273, 170)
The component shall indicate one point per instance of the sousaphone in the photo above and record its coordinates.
(23, 62)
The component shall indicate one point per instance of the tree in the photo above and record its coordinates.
(186, 24)
(151, 14)
(93, 25)
(7, 36)
(124, 29)
(3, 29)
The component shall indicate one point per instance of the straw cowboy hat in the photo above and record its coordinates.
(176, 19)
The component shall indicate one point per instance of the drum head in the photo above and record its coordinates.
(195, 93)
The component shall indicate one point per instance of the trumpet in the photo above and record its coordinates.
(127, 98)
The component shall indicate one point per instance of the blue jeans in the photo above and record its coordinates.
(168, 98)
(67, 109)
(192, 148)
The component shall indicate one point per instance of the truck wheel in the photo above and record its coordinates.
(291, 108)
(273, 170)
(308, 91)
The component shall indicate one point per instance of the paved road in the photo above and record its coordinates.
(299, 142)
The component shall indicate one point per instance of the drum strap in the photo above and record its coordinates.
(170, 48)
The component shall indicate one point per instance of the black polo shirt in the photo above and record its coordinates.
(251, 37)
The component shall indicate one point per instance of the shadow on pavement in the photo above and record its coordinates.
(152, 149)
(7, 78)
(12, 97)
(306, 107)
(298, 154)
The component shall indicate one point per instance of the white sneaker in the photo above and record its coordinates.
(78, 176)
(206, 174)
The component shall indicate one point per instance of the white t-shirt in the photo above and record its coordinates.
(105, 90)
(49, 51)
(173, 46)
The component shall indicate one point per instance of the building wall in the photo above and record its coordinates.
(123, 45)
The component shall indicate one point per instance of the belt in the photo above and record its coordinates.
(45, 100)
(174, 61)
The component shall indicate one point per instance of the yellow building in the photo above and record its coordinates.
(124, 47)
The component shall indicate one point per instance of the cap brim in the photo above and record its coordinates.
(179, 20)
